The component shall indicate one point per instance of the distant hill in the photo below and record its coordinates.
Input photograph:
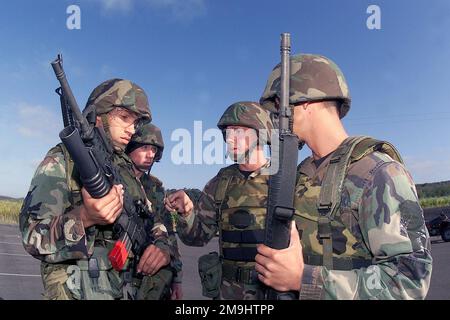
(424, 190)
(10, 199)
(435, 189)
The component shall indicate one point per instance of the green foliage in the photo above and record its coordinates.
(435, 202)
(9, 211)
(433, 190)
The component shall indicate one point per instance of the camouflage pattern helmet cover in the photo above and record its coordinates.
(247, 114)
(120, 93)
(149, 134)
(313, 78)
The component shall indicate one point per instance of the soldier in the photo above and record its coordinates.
(361, 231)
(71, 232)
(145, 148)
(233, 203)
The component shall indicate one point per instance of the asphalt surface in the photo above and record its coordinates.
(20, 273)
(20, 279)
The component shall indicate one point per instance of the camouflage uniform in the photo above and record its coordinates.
(51, 227)
(155, 193)
(154, 287)
(150, 134)
(234, 206)
(370, 241)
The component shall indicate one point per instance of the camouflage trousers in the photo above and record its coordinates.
(230, 290)
(73, 282)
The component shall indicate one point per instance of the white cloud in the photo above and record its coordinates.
(179, 10)
(38, 122)
(430, 169)
(117, 5)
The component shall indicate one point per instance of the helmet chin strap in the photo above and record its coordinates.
(150, 168)
(301, 143)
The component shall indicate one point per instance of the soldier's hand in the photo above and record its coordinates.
(177, 291)
(281, 269)
(152, 260)
(102, 211)
(180, 202)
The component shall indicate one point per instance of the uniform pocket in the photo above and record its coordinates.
(210, 271)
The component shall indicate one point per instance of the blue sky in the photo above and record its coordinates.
(196, 57)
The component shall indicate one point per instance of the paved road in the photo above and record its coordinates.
(440, 278)
(20, 275)
(19, 272)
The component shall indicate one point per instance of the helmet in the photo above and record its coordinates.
(247, 114)
(147, 134)
(119, 93)
(313, 78)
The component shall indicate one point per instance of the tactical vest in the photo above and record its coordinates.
(325, 217)
(241, 205)
(155, 193)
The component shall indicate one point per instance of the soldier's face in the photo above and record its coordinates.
(301, 124)
(239, 140)
(121, 126)
(143, 157)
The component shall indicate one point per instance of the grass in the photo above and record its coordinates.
(9, 211)
(435, 202)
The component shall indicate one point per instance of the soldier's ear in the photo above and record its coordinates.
(98, 122)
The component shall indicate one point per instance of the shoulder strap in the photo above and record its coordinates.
(370, 145)
(332, 182)
(224, 176)
(351, 150)
(71, 176)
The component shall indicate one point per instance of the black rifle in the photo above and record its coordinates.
(93, 155)
(280, 204)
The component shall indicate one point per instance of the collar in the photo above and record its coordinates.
(308, 167)
(255, 173)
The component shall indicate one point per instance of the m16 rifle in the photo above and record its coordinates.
(280, 204)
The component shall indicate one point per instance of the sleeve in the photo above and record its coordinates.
(160, 234)
(167, 219)
(392, 225)
(201, 225)
(51, 229)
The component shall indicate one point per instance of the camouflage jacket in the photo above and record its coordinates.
(51, 227)
(209, 217)
(156, 193)
(379, 220)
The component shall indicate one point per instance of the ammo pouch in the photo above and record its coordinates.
(210, 271)
(97, 279)
(156, 287)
